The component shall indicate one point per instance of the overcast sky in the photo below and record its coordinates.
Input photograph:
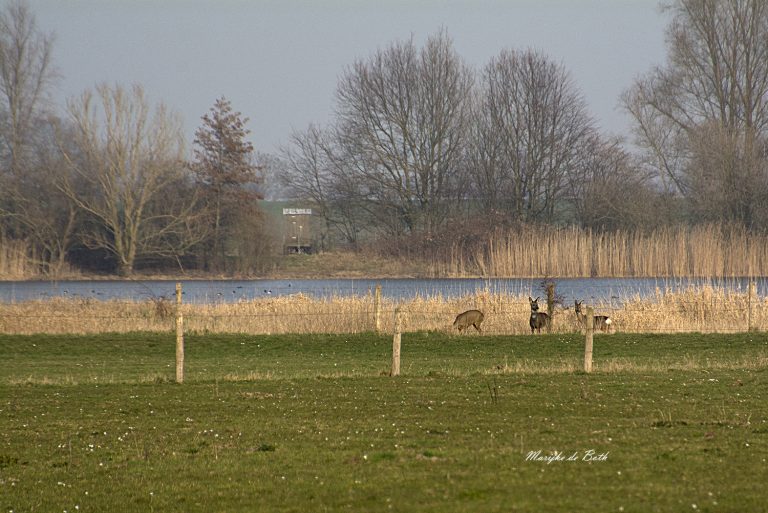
(278, 61)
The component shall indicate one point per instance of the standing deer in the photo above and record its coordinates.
(538, 319)
(599, 322)
(469, 318)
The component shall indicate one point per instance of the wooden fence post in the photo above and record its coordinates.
(751, 305)
(396, 344)
(377, 308)
(179, 337)
(590, 328)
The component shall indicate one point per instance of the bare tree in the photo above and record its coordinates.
(129, 160)
(724, 179)
(43, 216)
(610, 191)
(532, 126)
(402, 116)
(32, 209)
(314, 171)
(711, 92)
(25, 74)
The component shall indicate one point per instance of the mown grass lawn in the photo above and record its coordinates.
(313, 423)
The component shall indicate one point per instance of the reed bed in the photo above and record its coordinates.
(698, 309)
(714, 250)
(17, 260)
(704, 309)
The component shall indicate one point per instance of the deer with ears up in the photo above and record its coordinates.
(599, 322)
(538, 319)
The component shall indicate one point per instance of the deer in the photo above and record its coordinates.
(599, 322)
(538, 319)
(469, 318)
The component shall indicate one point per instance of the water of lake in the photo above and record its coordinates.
(613, 290)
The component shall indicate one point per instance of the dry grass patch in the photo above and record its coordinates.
(699, 309)
(716, 249)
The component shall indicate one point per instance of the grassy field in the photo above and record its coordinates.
(313, 423)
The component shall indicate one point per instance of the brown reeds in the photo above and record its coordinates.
(713, 250)
(699, 309)
(17, 260)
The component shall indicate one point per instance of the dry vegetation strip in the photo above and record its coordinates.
(707, 250)
(716, 250)
(702, 309)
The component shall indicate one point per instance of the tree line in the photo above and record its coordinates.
(424, 146)
(108, 185)
(422, 151)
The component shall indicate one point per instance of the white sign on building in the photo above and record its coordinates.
(297, 211)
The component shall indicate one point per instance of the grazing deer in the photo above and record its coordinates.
(538, 319)
(469, 318)
(599, 322)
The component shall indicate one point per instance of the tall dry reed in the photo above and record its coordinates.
(714, 250)
(699, 309)
(17, 260)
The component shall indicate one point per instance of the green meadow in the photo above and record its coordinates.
(313, 423)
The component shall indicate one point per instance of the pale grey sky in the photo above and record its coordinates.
(278, 60)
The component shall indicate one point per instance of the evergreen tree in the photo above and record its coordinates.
(226, 173)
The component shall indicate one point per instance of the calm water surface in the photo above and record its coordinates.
(615, 290)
